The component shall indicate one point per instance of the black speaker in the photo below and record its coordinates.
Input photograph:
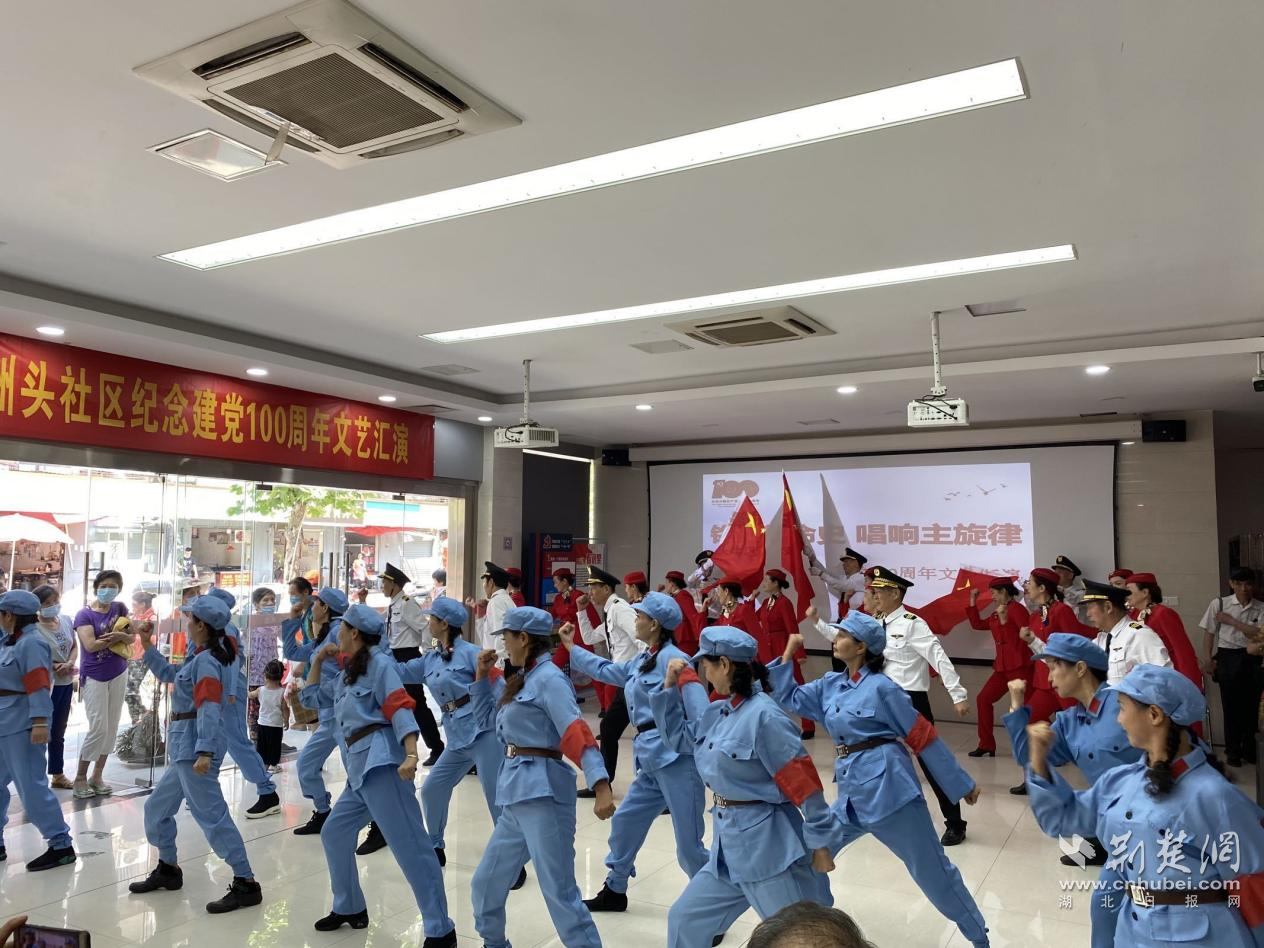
(1163, 431)
(615, 457)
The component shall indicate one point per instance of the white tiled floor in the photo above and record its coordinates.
(1011, 868)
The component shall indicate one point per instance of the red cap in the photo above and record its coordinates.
(676, 576)
(1048, 575)
(1142, 579)
(1002, 582)
(637, 577)
(1121, 573)
(564, 572)
(514, 572)
(779, 576)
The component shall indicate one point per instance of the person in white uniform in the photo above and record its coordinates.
(1126, 643)
(1072, 584)
(1229, 623)
(492, 617)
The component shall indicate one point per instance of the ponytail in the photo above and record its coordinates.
(665, 637)
(539, 645)
(220, 645)
(358, 664)
(745, 675)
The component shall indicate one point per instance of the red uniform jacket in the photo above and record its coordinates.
(1013, 657)
(563, 609)
(518, 599)
(1055, 617)
(690, 628)
(776, 618)
(1168, 626)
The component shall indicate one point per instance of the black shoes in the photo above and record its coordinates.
(333, 921)
(587, 794)
(715, 942)
(440, 941)
(312, 826)
(266, 805)
(432, 760)
(373, 842)
(4, 853)
(51, 859)
(981, 752)
(954, 835)
(472, 772)
(1020, 790)
(441, 856)
(243, 893)
(607, 900)
(164, 876)
(522, 880)
(1233, 761)
(807, 735)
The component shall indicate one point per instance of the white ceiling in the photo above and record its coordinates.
(1140, 144)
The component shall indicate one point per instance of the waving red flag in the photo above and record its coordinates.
(792, 553)
(741, 552)
(947, 612)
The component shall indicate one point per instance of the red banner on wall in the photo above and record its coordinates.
(52, 392)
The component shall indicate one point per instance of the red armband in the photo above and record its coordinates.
(207, 689)
(798, 780)
(35, 680)
(921, 734)
(687, 676)
(494, 674)
(397, 700)
(576, 740)
(1250, 890)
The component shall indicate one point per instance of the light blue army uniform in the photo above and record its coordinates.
(1092, 739)
(536, 793)
(469, 741)
(324, 740)
(240, 747)
(200, 684)
(373, 715)
(751, 756)
(1190, 824)
(26, 668)
(663, 776)
(867, 715)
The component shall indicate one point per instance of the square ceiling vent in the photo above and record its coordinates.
(760, 327)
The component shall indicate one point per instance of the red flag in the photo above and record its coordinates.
(947, 612)
(792, 553)
(741, 552)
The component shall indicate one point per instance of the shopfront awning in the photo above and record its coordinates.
(382, 531)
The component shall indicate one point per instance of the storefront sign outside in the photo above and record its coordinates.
(52, 392)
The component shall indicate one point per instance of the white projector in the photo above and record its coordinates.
(937, 412)
(529, 435)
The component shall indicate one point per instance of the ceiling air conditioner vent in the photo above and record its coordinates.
(755, 328)
(350, 90)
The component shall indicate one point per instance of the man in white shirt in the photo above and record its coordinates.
(1126, 643)
(700, 578)
(1071, 583)
(491, 613)
(1230, 624)
(912, 649)
(849, 587)
(617, 632)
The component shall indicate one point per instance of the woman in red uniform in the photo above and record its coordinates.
(690, 628)
(1013, 658)
(777, 623)
(1145, 605)
(565, 608)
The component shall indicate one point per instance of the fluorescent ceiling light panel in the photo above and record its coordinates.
(927, 98)
(767, 294)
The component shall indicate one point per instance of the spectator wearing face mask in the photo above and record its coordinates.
(262, 648)
(56, 629)
(102, 679)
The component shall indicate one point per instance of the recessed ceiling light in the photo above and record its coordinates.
(386, 398)
(213, 153)
(644, 407)
(847, 390)
(767, 294)
(898, 105)
(257, 372)
(50, 330)
(484, 418)
(1097, 369)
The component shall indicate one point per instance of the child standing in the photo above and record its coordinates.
(273, 714)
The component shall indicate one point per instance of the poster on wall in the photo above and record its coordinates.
(555, 551)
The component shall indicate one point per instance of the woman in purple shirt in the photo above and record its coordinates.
(102, 679)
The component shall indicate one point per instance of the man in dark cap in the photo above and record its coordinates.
(700, 579)
(616, 634)
(1071, 582)
(1232, 626)
(491, 612)
(1125, 642)
(848, 586)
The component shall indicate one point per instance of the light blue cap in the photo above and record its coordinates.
(1076, 648)
(210, 609)
(864, 628)
(662, 608)
(726, 641)
(1168, 690)
(527, 619)
(20, 602)
(335, 599)
(366, 620)
(448, 610)
(224, 596)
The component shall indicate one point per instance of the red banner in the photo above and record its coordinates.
(52, 392)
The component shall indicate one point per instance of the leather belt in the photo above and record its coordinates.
(6, 693)
(451, 706)
(184, 716)
(1191, 898)
(513, 750)
(642, 728)
(725, 802)
(842, 751)
(363, 733)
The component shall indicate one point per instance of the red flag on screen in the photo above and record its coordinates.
(741, 552)
(792, 552)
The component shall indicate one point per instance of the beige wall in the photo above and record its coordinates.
(499, 511)
(623, 517)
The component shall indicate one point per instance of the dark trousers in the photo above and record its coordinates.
(268, 744)
(425, 717)
(950, 810)
(612, 727)
(63, 698)
(1238, 675)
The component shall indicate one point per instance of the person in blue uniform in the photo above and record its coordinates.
(240, 747)
(374, 721)
(868, 716)
(538, 723)
(773, 832)
(448, 670)
(26, 707)
(663, 777)
(1188, 845)
(1088, 735)
(327, 609)
(195, 751)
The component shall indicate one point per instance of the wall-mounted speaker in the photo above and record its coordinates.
(1163, 430)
